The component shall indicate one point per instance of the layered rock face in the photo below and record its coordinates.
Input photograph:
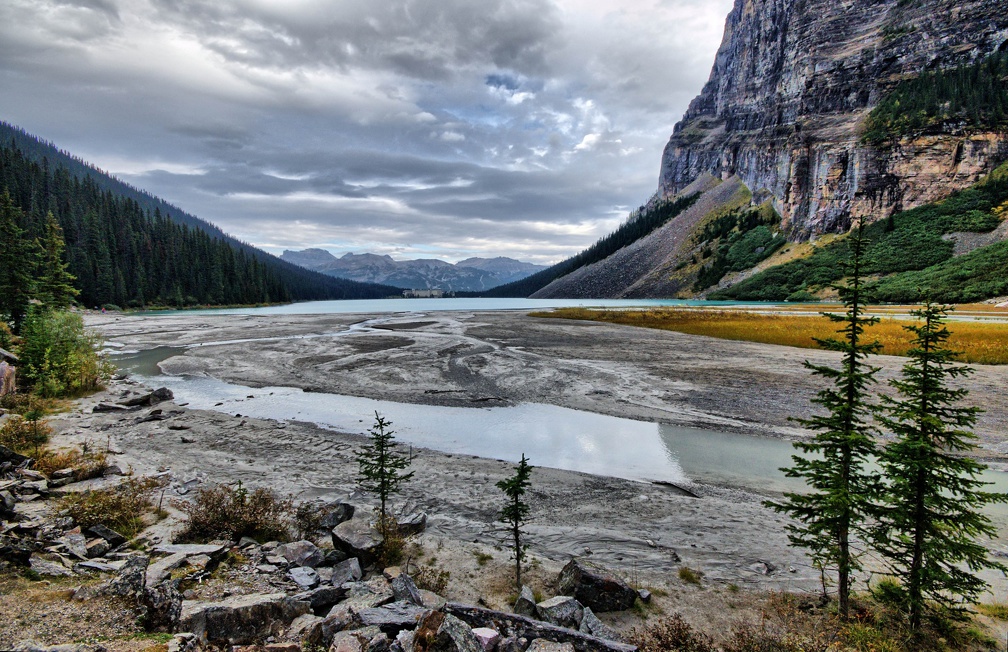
(793, 81)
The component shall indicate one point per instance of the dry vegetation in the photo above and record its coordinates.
(980, 342)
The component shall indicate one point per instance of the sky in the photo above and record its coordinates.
(415, 128)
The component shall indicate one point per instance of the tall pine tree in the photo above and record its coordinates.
(930, 521)
(841, 491)
(18, 259)
(54, 284)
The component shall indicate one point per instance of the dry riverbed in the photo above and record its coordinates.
(645, 531)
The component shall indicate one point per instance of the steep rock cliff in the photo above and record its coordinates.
(793, 81)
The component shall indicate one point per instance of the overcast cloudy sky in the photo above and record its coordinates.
(446, 128)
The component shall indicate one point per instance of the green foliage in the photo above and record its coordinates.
(54, 284)
(834, 464)
(689, 575)
(25, 434)
(971, 277)
(973, 97)
(224, 512)
(431, 579)
(516, 510)
(929, 517)
(17, 263)
(640, 223)
(909, 246)
(380, 468)
(128, 248)
(120, 508)
(738, 240)
(59, 357)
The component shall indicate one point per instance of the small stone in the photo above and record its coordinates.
(542, 645)
(644, 595)
(50, 568)
(346, 571)
(267, 568)
(113, 538)
(488, 637)
(304, 576)
(301, 553)
(97, 547)
(404, 589)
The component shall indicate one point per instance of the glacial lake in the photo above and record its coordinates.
(547, 434)
(385, 306)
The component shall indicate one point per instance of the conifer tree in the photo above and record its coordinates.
(17, 261)
(515, 510)
(841, 490)
(930, 521)
(380, 467)
(54, 286)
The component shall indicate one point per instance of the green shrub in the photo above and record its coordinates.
(121, 508)
(59, 357)
(24, 435)
(689, 575)
(222, 512)
(431, 579)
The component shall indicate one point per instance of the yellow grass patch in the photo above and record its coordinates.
(979, 342)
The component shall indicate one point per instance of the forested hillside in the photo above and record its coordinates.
(638, 225)
(128, 248)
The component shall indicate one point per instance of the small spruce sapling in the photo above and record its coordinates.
(515, 511)
(381, 466)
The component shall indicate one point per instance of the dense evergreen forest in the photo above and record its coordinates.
(639, 224)
(128, 248)
(969, 97)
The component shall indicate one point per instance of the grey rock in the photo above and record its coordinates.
(322, 598)
(488, 637)
(525, 605)
(131, 578)
(447, 633)
(542, 645)
(393, 617)
(336, 513)
(357, 538)
(35, 646)
(590, 624)
(109, 407)
(595, 586)
(306, 630)
(241, 619)
(346, 571)
(562, 610)
(76, 545)
(404, 589)
(50, 568)
(344, 641)
(163, 607)
(161, 568)
(304, 577)
(413, 524)
(183, 642)
(404, 640)
(267, 568)
(301, 553)
(644, 595)
(113, 538)
(515, 628)
(96, 547)
(190, 549)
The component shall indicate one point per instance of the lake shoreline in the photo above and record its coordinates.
(633, 373)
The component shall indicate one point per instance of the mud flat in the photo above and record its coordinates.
(458, 359)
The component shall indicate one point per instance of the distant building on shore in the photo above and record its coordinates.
(423, 294)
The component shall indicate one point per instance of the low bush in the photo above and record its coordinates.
(121, 508)
(689, 575)
(223, 512)
(59, 357)
(671, 633)
(86, 465)
(430, 578)
(23, 435)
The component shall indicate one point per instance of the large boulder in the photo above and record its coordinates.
(562, 610)
(346, 571)
(163, 606)
(404, 589)
(306, 578)
(130, 580)
(301, 553)
(334, 514)
(392, 618)
(440, 632)
(358, 538)
(322, 598)
(595, 586)
(525, 605)
(241, 620)
(591, 625)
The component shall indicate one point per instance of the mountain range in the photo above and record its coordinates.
(469, 275)
(817, 115)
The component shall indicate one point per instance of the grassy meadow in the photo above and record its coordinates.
(980, 342)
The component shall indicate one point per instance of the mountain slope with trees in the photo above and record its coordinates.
(129, 248)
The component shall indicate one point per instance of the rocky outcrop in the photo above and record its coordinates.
(595, 587)
(791, 85)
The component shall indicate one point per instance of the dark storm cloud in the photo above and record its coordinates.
(519, 127)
